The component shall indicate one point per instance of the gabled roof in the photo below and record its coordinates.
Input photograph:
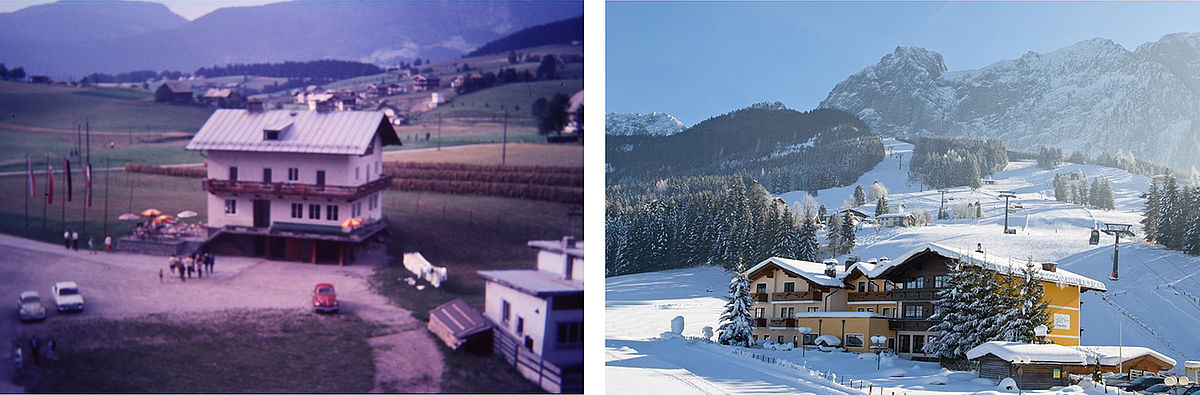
(995, 263)
(460, 318)
(1113, 355)
(894, 215)
(1025, 353)
(811, 271)
(340, 132)
(177, 87)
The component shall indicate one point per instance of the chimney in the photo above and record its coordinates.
(850, 261)
(254, 106)
(568, 242)
(831, 267)
(1050, 266)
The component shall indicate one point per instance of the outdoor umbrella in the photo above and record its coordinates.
(187, 214)
(351, 222)
(163, 218)
(128, 217)
(151, 212)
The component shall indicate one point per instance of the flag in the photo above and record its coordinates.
(87, 180)
(67, 169)
(49, 184)
(32, 184)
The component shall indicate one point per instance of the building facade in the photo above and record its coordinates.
(283, 182)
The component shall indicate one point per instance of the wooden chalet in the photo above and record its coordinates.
(174, 93)
(1032, 366)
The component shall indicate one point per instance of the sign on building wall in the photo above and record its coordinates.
(1062, 321)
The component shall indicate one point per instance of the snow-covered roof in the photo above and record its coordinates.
(828, 340)
(1024, 353)
(1191, 364)
(999, 264)
(811, 271)
(866, 268)
(533, 282)
(1113, 355)
(838, 314)
(894, 215)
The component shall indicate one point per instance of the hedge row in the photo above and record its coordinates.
(508, 177)
(194, 172)
(482, 168)
(520, 191)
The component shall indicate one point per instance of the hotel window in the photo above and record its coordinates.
(941, 281)
(888, 285)
(570, 333)
(314, 211)
(331, 213)
(293, 174)
(230, 206)
(862, 286)
(871, 287)
(915, 282)
(813, 309)
(918, 344)
(860, 309)
(871, 309)
(904, 340)
(914, 311)
(233, 173)
(780, 341)
(529, 343)
(297, 210)
(789, 287)
(266, 176)
(854, 340)
(760, 288)
(505, 310)
(887, 311)
(759, 312)
(787, 312)
(520, 325)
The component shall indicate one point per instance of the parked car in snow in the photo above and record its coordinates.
(29, 306)
(1157, 389)
(1142, 383)
(324, 298)
(67, 296)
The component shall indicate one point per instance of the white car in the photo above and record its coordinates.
(67, 296)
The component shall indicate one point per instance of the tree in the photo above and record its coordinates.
(809, 206)
(17, 73)
(1024, 305)
(881, 207)
(822, 211)
(1150, 213)
(847, 235)
(548, 67)
(877, 191)
(833, 234)
(552, 114)
(965, 310)
(737, 322)
(808, 245)
(978, 210)
(859, 198)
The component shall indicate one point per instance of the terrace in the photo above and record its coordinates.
(296, 189)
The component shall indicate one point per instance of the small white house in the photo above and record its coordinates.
(897, 219)
(537, 315)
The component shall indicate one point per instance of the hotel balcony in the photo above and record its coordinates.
(910, 324)
(914, 294)
(760, 322)
(759, 297)
(783, 322)
(794, 296)
(295, 189)
(868, 296)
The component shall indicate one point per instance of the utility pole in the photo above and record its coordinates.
(439, 143)
(504, 142)
(1117, 230)
(1006, 195)
(106, 171)
(942, 206)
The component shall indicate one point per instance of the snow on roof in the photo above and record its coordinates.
(999, 264)
(866, 268)
(811, 271)
(533, 282)
(1191, 364)
(894, 215)
(1113, 355)
(1024, 353)
(828, 340)
(339, 132)
(838, 314)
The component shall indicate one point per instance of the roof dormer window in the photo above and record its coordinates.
(270, 135)
(275, 132)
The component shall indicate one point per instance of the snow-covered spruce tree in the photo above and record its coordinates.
(1191, 210)
(847, 235)
(808, 245)
(1168, 214)
(833, 234)
(1150, 213)
(859, 198)
(881, 207)
(790, 238)
(1024, 306)
(736, 322)
(876, 192)
(959, 323)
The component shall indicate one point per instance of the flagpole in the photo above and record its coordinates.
(28, 191)
(106, 171)
(46, 196)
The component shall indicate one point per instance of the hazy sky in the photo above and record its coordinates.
(698, 60)
(190, 9)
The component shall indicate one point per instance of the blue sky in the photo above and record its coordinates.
(698, 60)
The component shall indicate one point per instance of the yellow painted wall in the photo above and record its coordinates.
(833, 326)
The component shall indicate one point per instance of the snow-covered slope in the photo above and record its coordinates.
(1094, 96)
(653, 124)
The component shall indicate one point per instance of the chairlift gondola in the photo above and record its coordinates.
(1095, 239)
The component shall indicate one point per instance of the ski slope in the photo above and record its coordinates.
(1156, 303)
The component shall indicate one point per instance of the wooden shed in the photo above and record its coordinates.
(1032, 366)
(1113, 358)
(458, 324)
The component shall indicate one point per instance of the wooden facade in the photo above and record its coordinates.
(1031, 376)
(1144, 363)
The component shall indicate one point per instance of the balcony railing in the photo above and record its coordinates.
(783, 322)
(914, 294)
(759, 297)
(760, 322)
(868, 296)
(910, 324)
(282, 188)
(791, 296)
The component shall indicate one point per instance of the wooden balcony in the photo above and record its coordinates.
(910, 324)
(792, 296)
(759, 297)
(868, 296)
(783, 322)
(914, 294)
(760, 322)
(294, 189)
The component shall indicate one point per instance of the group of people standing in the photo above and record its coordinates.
(71, 241)
(197, 263)
(39, 352)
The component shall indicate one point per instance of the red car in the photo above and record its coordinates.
(324, 298)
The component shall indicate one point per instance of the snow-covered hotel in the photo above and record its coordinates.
(845, 305)
(282, 184)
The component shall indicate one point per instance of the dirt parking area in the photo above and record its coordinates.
(120, 285)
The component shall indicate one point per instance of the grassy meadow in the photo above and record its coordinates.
(489, 154)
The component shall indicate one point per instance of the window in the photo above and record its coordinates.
(871, 309)
(321, 177)
(520, 325)
(266, 175)
(230, 206)
(888, 285)
(918, 344)
(915, 282)
(760, 288)
(789, 287)
(780, 339)
(293, 174)
(813, 309)
(904, 344)
(759, 312)
(860, 309)
(941, 281)
(270, 135)
(297, 210)
(887, 311)
(914, 311)
(529, 343)
(356, 172)
(570, 333)
(567, 302)
(233, 173)
(854, 341)
(862, 286)
(331, 212)
(810, 339)
(796, 340)
(314, 211)
(787, 312)
(871, 287)
(505, 310)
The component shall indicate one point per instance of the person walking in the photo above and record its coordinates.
(75, 240)
(191, 265)
(34, 348)
(180, 268)
(92, 245)
(160, 275)
(199, 265)
(108, 243)
(211, 260)
(173, 262)
(51, 351)
(67, 239)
